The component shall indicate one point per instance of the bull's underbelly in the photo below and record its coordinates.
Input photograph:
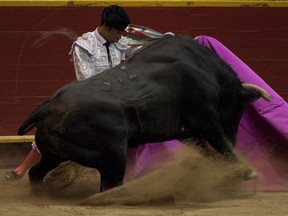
(158, 129)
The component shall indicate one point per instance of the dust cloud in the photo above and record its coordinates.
(189, 177)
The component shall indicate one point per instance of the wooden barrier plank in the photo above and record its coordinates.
(16, 139)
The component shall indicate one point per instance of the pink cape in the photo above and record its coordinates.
(262, 135)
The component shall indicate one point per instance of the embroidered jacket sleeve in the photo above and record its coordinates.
(127, 47)
(84, 68)
(83, 52)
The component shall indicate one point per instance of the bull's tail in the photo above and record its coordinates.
(31, 121)
(26, 126)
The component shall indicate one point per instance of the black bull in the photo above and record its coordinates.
(171, 89)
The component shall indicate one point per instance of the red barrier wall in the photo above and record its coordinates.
(35, 42)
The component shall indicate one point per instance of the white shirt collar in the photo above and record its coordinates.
(99, 37)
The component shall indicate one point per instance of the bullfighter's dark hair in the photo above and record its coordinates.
(115, 16)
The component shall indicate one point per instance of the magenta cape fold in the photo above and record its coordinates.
(262, 135)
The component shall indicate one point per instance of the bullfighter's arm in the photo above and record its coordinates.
(84, 68)
(127, 47)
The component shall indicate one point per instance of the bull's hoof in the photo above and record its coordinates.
(244, 173)
(249, 175)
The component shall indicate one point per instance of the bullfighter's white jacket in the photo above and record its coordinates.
(90, 56)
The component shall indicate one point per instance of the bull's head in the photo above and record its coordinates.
(232, 115)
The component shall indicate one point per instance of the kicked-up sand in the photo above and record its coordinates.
(188, 185)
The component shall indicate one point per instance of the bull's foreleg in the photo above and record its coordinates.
(206, 123)
(215, 136)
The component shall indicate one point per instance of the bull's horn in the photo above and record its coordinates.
(263, 92)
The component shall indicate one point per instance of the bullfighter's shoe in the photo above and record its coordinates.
(12, 176)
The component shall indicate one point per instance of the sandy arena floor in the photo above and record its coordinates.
(188, 187)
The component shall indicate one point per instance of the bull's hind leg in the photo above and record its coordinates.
(112, 169)
(39, 171)
(110, 162)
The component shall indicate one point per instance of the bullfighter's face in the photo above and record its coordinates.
(113, 35)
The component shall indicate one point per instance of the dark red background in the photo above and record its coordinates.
(35, 42)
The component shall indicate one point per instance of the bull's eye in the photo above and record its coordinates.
(183, 129)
